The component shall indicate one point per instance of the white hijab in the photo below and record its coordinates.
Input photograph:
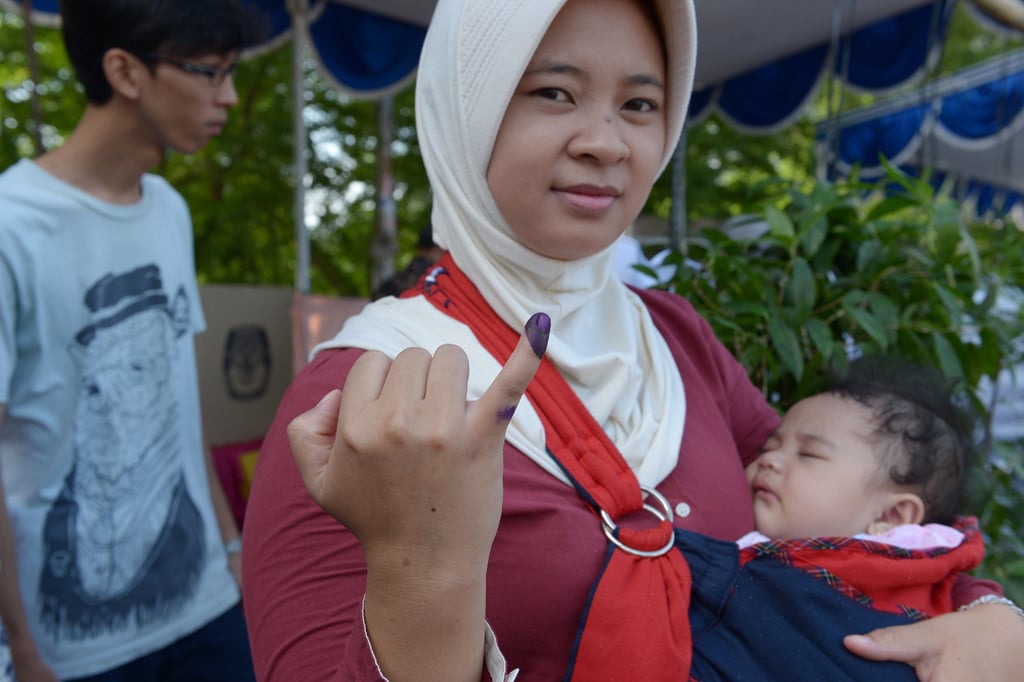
(603, 340)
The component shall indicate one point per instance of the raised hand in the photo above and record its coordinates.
(413, 465)
(414, 470)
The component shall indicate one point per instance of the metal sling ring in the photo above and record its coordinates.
(663, 514)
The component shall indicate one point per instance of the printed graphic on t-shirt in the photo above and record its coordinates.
(123, 542)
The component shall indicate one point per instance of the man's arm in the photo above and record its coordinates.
(28, 665)
(222, 509)
(225, 517)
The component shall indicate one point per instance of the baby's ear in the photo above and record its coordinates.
(900, 509)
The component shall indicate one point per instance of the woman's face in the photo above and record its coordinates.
(584, 133)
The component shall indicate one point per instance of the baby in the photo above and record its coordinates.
(854, 498)
(874, 456)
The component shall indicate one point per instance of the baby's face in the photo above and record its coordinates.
(818, 474)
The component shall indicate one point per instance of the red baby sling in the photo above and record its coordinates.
(636, 624)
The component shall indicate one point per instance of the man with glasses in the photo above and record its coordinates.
(119, 557)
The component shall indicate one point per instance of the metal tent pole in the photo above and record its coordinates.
(677, 227)
(300, 21)
(33, 73)
(384, 244)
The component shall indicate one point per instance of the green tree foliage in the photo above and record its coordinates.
(998, 488)
(57, 94)
(343, 156)
(846, 265)
(728, 172)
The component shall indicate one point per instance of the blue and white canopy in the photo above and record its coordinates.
(759, 61)
(968, 128)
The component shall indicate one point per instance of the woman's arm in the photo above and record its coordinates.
(984, 643)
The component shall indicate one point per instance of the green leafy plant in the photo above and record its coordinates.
(998, 491)
(854, 267)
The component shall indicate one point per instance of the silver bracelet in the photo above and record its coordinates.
(993, 599)
(233, 547)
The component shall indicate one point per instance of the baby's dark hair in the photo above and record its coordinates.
(175, 28)
(923, 437)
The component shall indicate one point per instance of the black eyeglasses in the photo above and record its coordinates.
(214, 74)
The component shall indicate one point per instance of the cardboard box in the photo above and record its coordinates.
(244, 359)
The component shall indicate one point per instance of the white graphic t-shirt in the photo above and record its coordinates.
(119, 552)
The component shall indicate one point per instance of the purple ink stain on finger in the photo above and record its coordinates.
(538, 330)
(505, 414)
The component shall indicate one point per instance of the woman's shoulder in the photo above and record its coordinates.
(665, 302)
(326, 371)
(674, 315)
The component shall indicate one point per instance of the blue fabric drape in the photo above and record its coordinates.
(276, 22)
(365, 53)
(866, 143)
(43, 6)
(984, 111)
(895, 51)
(768, 98)
(987, 198)
(985, 119)
(701, 104)
(877, 58)
(992, 199)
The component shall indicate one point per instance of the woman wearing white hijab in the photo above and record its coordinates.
(543, 125)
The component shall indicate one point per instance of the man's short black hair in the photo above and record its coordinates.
(173, 28)
(924, 435)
